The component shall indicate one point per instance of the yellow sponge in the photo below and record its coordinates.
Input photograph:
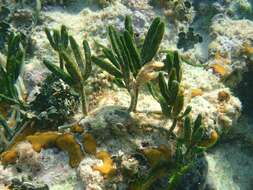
(107, 168)
(89, 143)
(67, 142)
(42, 140)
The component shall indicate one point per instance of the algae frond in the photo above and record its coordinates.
(126, 62)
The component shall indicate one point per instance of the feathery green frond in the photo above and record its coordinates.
(11, 72)
(72, 68)
(8, 100)
(129, 25)
(78, 56)
(125, 59)
(4, 124)
(59, 40)
(152, 40)
(78, 66)
(88, 65)
(170, 89)
(107, 67)
(59, 72)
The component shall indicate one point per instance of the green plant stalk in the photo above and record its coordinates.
(9, 100)
(157, 172)
(58, 41)
(7, 130)
(21, 90)
(3, 139)
(175, 179)
(84, 101)
(188, 151)
(61, 61)
(17, 132)
(67, 126)
(184, 59)
(36, 13)
(173, 126)
(134, 94)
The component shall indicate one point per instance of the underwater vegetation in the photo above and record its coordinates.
(78, 69)
(59, 41)
(4, 26)
(133, 67)
(13, 93)
(14, 62)
(11, 88)
(130, 66)
(188, 149)
(171, 95)
(190, 145)
(52, 106)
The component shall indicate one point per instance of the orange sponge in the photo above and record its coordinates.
(211, 140)
(219, 69)
(90, 144)
(42, 140)
(107, 168)
(156, 155)
(9, 157)
(67, 142)
(196, 92)
(76, 129)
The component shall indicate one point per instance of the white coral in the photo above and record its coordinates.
(28, 159)
(92, 179)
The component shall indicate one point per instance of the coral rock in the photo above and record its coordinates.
(225, 122)
(223, 96)
(28, 158)
(219, 59)
(149, 72)
(23, 155)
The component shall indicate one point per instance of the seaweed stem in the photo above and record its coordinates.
(84, 101)
(173, 126)
(134, 93)
(67, 126)
(16, 134)
(61, 62)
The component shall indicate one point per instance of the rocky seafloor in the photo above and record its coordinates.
(220, 60)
